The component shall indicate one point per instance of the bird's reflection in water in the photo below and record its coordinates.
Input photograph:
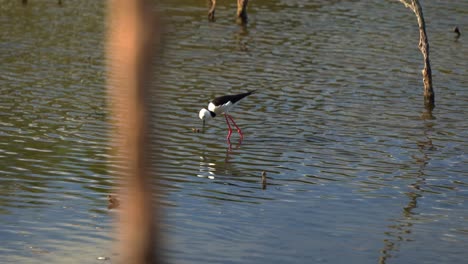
(207, 169)
(229, 148)
(212, 167)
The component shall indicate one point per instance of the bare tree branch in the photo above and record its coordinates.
(407, 4)
(415, 6)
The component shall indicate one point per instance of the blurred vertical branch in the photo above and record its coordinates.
(415, 6)
(132, 30)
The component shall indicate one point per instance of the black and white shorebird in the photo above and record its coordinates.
(222, 105)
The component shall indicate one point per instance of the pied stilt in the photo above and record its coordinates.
(222, 105)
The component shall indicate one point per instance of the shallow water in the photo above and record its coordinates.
(355, 174)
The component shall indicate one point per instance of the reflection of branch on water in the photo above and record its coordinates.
(400, 231)
(241, 36)
(427, 115)
(25, 2)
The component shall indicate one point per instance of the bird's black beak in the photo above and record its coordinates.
(203, 127)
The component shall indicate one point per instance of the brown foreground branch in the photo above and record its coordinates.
(130, 46)
(429, 97)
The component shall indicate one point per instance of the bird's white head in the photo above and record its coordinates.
(206, 114)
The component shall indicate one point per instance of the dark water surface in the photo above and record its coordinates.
(355, 173)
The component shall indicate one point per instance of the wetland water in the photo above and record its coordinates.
(355, 175)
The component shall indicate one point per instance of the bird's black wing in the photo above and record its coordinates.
(233, 98)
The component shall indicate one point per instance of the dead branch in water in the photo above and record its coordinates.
(415, 6)
(241, 11)
(211, 11)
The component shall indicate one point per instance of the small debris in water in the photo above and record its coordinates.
(102, 258)
(264, 180)
(196, 130)
(37, 250)
(457, 31)
(113, 202)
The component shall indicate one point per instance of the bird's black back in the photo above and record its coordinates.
(233, 98)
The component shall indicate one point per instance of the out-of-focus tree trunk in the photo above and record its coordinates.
(429, 97)
(130, 47)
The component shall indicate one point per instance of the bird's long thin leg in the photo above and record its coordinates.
(229, 126)
(238, 129)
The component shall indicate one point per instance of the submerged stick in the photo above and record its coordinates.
(130, 48)
(457, 31)
(429, 97)
(264, 180)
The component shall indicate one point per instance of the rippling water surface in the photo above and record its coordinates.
(357, 171)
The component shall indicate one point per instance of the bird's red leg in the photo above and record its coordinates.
(229, 126)
(238, 129)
